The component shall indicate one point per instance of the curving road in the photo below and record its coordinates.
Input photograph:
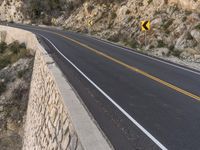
(139, 102)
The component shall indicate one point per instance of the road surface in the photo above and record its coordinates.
(138, 101)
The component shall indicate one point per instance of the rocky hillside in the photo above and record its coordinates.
(175, 24)
(15, 75)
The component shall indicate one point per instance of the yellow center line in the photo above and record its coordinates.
(196, 97)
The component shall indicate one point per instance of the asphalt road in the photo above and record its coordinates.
(138, 101)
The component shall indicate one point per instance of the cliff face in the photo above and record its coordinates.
(175, 24)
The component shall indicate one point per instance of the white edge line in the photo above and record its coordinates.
(137, 53)
(111, 100)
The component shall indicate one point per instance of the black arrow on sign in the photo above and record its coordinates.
(145, 25)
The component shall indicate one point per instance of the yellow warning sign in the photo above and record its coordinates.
(145, 25)
(90, 23)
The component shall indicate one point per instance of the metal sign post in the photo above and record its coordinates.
(145, 36)
(89, 24)
(145, 26)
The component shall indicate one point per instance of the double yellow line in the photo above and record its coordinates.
(169, 85)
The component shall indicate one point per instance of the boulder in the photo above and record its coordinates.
(193, 18)
(196, 35)
(188, 52)
(160, 51)
(180, 43)
(158, 3)
(197, 56)
(157, 22)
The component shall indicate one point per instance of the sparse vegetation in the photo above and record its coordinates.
(149, 2)
(35, 9)
(167, 32)
(3, 46)
(11, 53)
(47, 21)
(161, 44)
(130, 18)
(114, 38)
(132, 43)
(113, 15)
(151, 46)
(167, 24)
(2, 87)
(184, 18)
(197, 27)
(38, 9)
(171, 47)
(5, 61)
(21, 73)
(175, 53)
(128, 12)
(157, 12)
(188, 12)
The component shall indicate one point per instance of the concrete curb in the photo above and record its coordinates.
(90, 136)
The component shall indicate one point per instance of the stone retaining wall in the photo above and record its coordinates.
(55, 117)
(48, 125)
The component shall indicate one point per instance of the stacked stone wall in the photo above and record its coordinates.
(48, 125)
